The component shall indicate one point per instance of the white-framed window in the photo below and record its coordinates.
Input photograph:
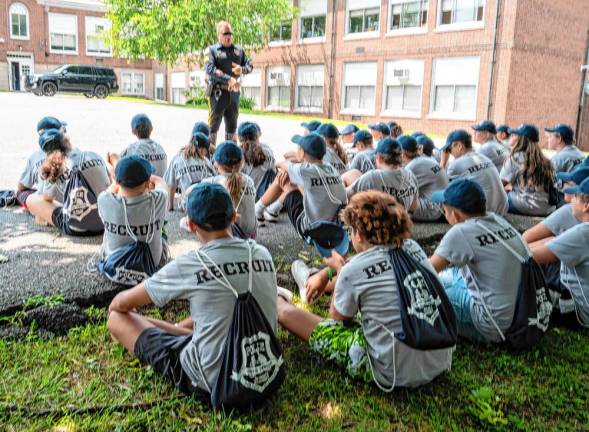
(309, 90)
(363, 16)
(63, 33)
(278, 88)
(96, 30)
(405, 14)
(454, 87)
(312, 21)
(403, 84)
(133, 83)
(197, 78)
(19, 21)
(359, 88)
(282, 33)
(178, 85)
(251, 85)
(159, 87)
(460, 12)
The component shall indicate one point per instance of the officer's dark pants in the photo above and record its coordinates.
(226, 107)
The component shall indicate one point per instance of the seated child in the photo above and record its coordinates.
(395, 128)
(74, 213)
(228, 159)
(379, 131)
(473, 166)
(145, 147)
(389, 176)
(562, 139)
(363, 159)
(428, 147)
(308, 127)
(528, 175)
(430, 177)
(347, 139)
(485, 134)
(190, 166)
(365, 285)
(189, 354)
(134, 209)
(483, 282)
(260, 164)
(312, 190)
(503, 135)
(335, 155)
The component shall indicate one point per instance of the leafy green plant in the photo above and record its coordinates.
(195, 95)
(247, 103)
(482, 406)
(43, 300)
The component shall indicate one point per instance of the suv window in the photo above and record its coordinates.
(72, 69)
(85, 70)
(105, 72)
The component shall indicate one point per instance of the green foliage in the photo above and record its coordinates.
(195, 95)
(246, 103)
(482, 402)
(167, 30)
(43, 300)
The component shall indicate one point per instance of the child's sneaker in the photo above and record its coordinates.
(285, 294)
(259, 213)
(270, 217)
(301, 272)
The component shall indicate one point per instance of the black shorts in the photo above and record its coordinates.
(161, 350)
(59, 221)
(21, 196)
(293, 203)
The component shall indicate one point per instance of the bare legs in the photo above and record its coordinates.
(41, 208)
(297, 321)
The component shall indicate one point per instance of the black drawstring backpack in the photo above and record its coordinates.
(80, 207)
(427, 316)
(7, 198)
(533, 305)
(132, 263)
(252, 368)
(265, 183)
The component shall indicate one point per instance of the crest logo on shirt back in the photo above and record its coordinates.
(423, 305)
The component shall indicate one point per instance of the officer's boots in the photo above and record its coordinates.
(231, 137)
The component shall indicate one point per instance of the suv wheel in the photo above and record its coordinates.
(89, 95)
(101, 91)
(49, 89)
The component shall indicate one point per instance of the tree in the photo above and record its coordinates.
(167, 30)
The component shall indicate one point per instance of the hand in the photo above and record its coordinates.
(283, 179)
(115, 305)
(335, 261)
(236, 69)
(315, 286)
(236, 88)
(231, 83)
(444, 158)
(219, 73)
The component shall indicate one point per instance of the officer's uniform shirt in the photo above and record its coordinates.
(222, 58)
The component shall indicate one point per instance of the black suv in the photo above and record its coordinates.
(88, 79)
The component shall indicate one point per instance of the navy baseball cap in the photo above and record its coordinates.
(362, 135)
(140, 120)
(417, 134)
(199, 139)
(248, 130)
(408, 143)
(131, 171)
(485, 126)
(228, 153)
(503, 128)
(201, 127)
(328, 130)
(49, 123)
(311, 126)
(388, 145)
(313, 144)
(580, 173)
(586, 161)
(527, 130)
(583, 188)
(381, 127)
(426, 143)
(210, 207)
(565, 131)
(328, 236)
(348, 129)
(456, 135)
(463, 194)
(51, 139)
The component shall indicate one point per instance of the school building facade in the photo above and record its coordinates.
(37, 36)
(431, 65)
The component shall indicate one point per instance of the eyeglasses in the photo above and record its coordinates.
(227, 34)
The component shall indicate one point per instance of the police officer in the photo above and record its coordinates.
(225, 65)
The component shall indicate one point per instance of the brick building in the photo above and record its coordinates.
(40, 35)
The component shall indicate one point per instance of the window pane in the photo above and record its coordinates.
(396, 16)
(56, 41)
(352, 99)
(410, 17)
(319, 30)
(15, 27)
(285, 97)
(356, 21)
(367, 97)
(307, 27)
(138, 84)
(372, 19)
(304, 99)
(412, 98)
(69, 42)
(23, 25)
(465, 99)
(273, 96)
(394, 99)
(465, 11)
(286, 31)
(126, 78)
(444, 98)
(317, 97)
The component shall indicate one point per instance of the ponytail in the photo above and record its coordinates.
(234, 182)
(337, 147)
(536, 170)
(252, 151)
(190, 151)
(53, 166)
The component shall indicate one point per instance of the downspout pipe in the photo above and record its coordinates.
(493, 58)
(582, 93)
(331, 86)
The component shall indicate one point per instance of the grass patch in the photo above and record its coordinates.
(85, 381)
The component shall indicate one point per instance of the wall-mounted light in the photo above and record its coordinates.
(1, 40)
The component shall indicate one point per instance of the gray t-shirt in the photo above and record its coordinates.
(526, 199)
(30, 175)
(364, 161)
(150, 150)
(334, 160)
(146, 214)
(367, 284)
(246, 205)
(495, 269)
(324, 192)
(184, 172)
(561, 220)
(567, 159)
(93, 170)
(479, 168)
(571, 249)
(399, 183)
(430, 177)
(495, 151)
(211, 304)
(257, 173)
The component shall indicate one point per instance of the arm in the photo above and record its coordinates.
(537, 232)
(172, 194)
(283, 165)
(20, 187)
(414, 205)
(543, 255)
(438, 262)
(444, 158)
(129, 299)
(334, 314)
(158, 183)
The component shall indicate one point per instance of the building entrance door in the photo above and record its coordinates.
(21, 65)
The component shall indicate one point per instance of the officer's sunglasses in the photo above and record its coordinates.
(227, 34)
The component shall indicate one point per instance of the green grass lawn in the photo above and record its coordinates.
(85, 381)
